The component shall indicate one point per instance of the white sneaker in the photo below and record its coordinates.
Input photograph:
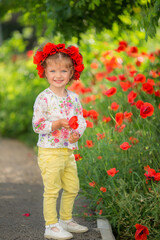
(72, 226)
(58, 233)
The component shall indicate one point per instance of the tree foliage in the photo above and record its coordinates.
(149, 17)
(73, 17)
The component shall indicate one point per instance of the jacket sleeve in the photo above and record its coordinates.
(39, 122)
(81, 121)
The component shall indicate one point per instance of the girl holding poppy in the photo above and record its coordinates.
(58, 119)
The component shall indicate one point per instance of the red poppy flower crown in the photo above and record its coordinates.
(51, 49)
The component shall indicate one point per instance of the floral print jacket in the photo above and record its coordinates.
(49, 107)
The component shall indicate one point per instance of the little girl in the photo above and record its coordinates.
(58, 119)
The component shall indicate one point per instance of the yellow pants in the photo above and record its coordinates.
(59, 171)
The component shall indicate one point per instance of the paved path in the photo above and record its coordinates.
(21, 192)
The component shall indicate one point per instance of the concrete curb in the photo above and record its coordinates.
(105, 229)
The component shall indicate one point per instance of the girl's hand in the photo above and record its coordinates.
(64, 123)
(74, 137)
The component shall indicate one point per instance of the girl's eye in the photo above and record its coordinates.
(64, 70)
(53, 71)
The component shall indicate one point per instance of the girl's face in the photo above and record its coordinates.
(58, 75)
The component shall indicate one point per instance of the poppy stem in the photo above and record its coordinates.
(153, 125)
(153, 187)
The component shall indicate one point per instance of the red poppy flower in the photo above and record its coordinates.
(94, 65)
(89, 124)
(151, 57)
(120, 128)
(146, 167)
(125, 85)
(151, 81)
(38, 58)
(144, 53)
(122, 77)
(100, 212)
(139, 104)
(30, 53)
(153, 74)
(128, 115)
(112, 172)
(106, 119)
(73, 122)
(152, 174)
(131, 73)
(103, 189)
(85, 214)
(99, 157)
(79, 68)
(86, 90)
(100, 75)
(122, 46)
(112, 78)
(138, 63)
(92, 184)
(114, 106)
(93, 114)
(125, 146)
(110, 92)
(50, 48)
(157, 177)
(89, 99)
(123, 43)
(99, 201)
(77, 157)
(40, 71)
(89, 143)
(76, 75)
(157, 93)
(100, 136)
(141, 233)
(85, 113)
(73, 52)
(133, 140)
(139, 78)
(146, 110)
(131, 96)
(119, 118)
(112, 64)
(148, 88)
(26, 214)
(76, 86)
(133, 51)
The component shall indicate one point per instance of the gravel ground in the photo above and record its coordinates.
(21, 191)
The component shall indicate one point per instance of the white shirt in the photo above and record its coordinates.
(49, 107)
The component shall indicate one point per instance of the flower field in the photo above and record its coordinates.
(118, 160)
(118, 157)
